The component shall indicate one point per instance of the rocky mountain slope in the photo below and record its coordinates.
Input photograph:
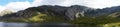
(68, 12)
(20, 14)
(6, 11)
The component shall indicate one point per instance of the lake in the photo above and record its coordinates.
(13, 24)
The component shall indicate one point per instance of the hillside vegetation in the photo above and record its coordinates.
(58, 14)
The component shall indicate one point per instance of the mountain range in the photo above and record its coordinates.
(68, 12)
(6, 11)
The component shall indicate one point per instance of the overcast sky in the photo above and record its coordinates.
(17, 5)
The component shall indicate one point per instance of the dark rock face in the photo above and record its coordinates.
(21, 14)
(76, 10)
(69, 13)
(104, 11)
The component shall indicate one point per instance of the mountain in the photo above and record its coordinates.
(46, 9)
(71, 12)
(117, 14)
(6, 11)
(104, 11)
(29, 12)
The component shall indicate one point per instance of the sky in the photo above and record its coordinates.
(17, 5)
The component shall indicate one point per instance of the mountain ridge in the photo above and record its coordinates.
(71, 12)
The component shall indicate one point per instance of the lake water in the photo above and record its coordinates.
(13, 24)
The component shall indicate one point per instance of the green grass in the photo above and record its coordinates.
(80, 22)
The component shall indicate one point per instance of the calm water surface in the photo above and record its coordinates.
(13, 24)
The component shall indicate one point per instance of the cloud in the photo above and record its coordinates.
(88, 3)
(91, 3)
(1, 8)
(16, 6)
(36, 2)
(47, 2)
(102, 3)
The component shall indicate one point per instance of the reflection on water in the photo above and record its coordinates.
(8, 24)
(15, 25)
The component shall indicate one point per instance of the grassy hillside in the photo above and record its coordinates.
(80, 22)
